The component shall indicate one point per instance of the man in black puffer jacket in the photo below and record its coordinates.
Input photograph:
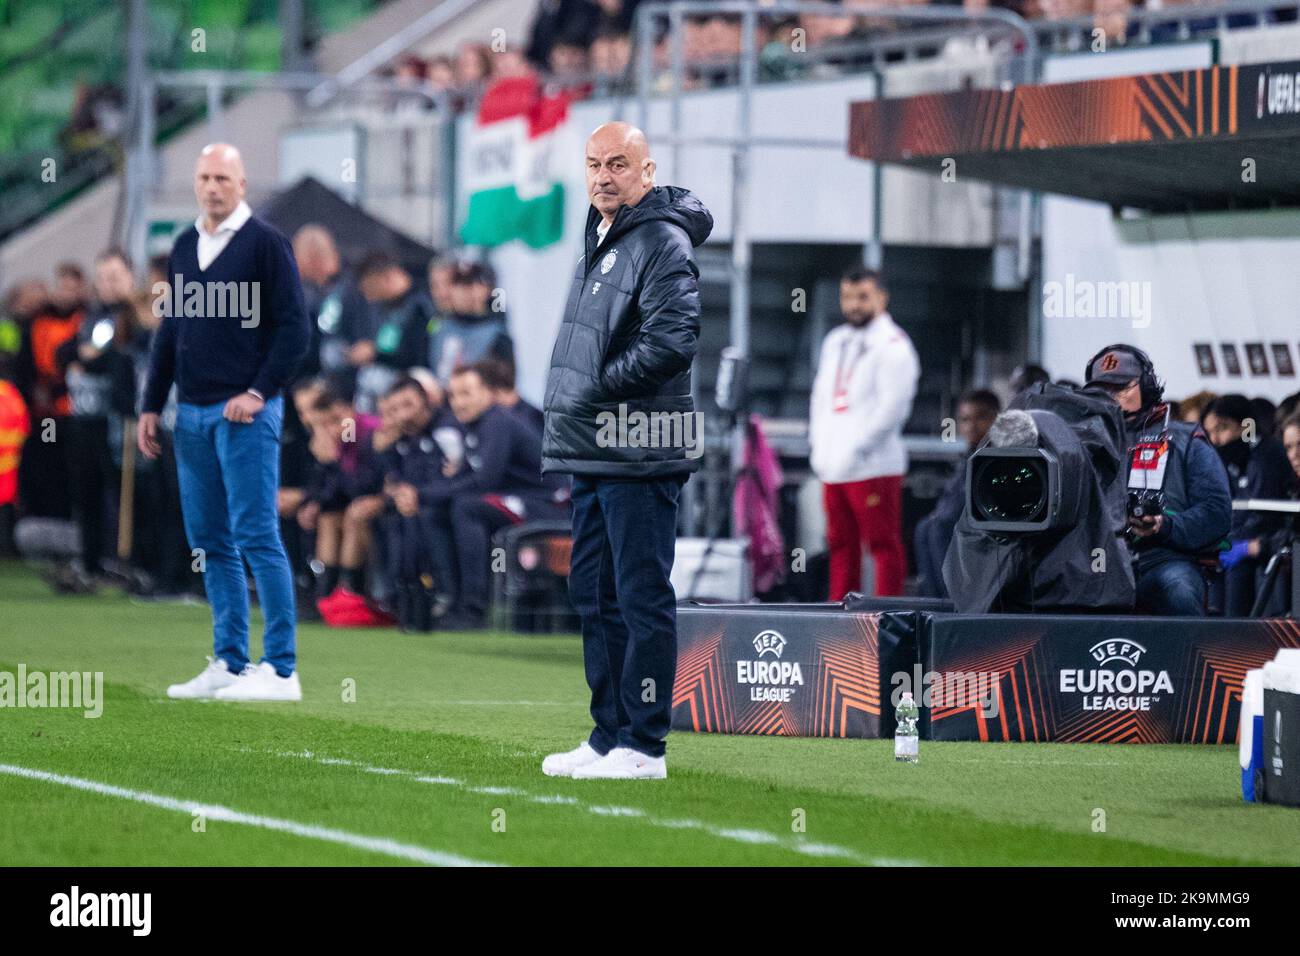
(619, 418)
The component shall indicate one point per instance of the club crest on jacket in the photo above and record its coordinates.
(608, 262)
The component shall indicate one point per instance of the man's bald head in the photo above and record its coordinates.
(219, 182)
(316, 253)
(619, 168)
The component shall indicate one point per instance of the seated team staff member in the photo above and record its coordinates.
(427, 440)
(1195, 510)
(1257, 468)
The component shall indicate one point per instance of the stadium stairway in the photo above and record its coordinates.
(80, 228)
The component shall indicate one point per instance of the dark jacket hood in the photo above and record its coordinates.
(672, 204)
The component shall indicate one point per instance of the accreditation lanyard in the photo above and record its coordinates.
(1150, 455)
(844, 369)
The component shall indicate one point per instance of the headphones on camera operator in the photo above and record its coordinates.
(1148, 428)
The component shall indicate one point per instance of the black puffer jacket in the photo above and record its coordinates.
(618, 398)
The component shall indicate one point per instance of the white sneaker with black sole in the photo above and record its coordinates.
(624, 763)
(261, 682)
(204, 687)
(563, 765)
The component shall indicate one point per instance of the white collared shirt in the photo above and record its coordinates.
(602, 230)
(210, 245)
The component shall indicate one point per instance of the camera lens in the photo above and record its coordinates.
(1010, 489)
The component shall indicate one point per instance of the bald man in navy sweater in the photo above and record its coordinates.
(234, 329)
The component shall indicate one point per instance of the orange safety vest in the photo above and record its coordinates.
(14, 426)
(48, 333)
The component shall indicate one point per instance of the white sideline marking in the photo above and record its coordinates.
(211, 811)
(739, 835)
(507, 703)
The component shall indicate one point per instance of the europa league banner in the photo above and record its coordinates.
(1094, 679)
(822, 671)
(800, 671)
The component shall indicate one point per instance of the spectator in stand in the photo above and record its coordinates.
(428, 439)
(410, 76)
(498, 483)
(861, 397)
(568, 60)
(567, 21)
(473, 65)
(499, 375)
(441, 73)
(975, 413)
(1111, 17)
(343, 494)
(1257, 468)
(477, 328)
(339, 313)
(611, 51)
(615, 17)
(96, 364)
(778, 59)
(400, 318)
(820, 29)
(510, 63)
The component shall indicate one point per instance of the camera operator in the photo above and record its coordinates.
(1180, 507)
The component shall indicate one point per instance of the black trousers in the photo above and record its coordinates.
(419, 545)
(624, 538)
(92, 481)
(160, 546)
(43, 473)
(472, 520)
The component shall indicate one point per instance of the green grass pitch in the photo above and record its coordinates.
(437, 760)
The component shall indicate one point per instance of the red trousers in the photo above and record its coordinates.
(865, 513)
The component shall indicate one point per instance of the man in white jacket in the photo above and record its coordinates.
(861, 397)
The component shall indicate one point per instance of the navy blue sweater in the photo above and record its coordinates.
(213, 357)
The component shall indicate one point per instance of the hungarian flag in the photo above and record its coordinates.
(512, 176)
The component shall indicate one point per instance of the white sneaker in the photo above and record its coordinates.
(563, 765)
(261, 682)
(623, 763)
(216, 676)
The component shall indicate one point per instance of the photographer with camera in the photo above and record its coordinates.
(1180, 506)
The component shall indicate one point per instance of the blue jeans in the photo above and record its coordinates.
(1172, 588)
(229, 476)
(624, 539)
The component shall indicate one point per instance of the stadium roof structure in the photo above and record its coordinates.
(355, 231)
(1165, 142)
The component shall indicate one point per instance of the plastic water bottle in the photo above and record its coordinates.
(905, 738)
